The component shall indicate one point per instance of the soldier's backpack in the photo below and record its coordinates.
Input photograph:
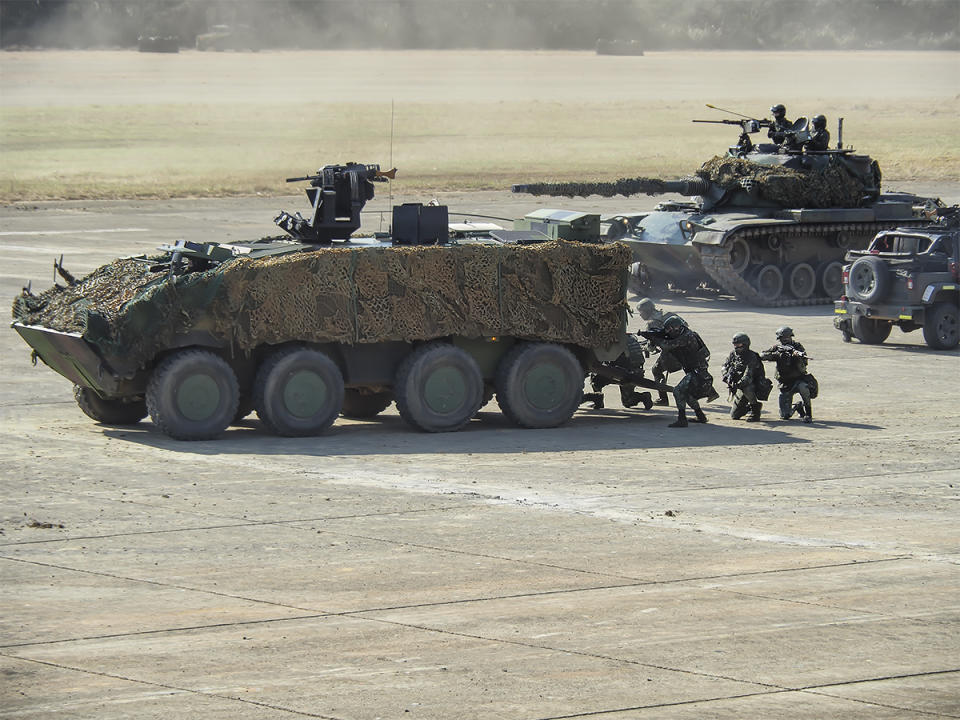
(814, 386)
(763, 385)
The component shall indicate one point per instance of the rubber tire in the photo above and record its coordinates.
(169, 377)
(359, 404)
(801, 280)
(769, 274)
(109, 411)
(869, 331)
(739, 255)
(271, 388)
(439, 388)
(869, 279)
(520, 377)
(830, 278)
(940, 326)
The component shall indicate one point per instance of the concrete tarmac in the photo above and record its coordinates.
(611, 568)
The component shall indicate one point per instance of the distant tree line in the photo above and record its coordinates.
(494, 24)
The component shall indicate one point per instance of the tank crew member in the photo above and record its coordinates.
(791, 359)
(692, 353)
(665, 363)
(778, 128)
(742, 373)
(820, 137)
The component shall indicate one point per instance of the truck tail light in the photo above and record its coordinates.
(955, 269)
(909, 282)
(846, 276)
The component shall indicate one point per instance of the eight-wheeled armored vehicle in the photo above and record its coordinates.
(316, 323)
(908, 277)
(770, 223)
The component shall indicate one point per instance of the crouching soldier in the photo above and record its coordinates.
(791, 359)
(744, 375)
(665, 362)
(625, 371)
(692, 354)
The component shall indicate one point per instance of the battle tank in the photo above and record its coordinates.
(770, 224)
(318, 323)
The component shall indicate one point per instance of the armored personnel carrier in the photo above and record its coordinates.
(770, 223)
(318, 323)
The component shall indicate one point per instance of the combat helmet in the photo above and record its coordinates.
(645, 305)
(778, 109)
(674, 326)
(741, 339)
(819, 122)
(784, 332)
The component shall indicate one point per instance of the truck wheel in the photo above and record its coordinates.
(869, 331)
(769, 282)
(439, 388)
(298, 392)
(193, 395)
(802, 280)
(539, 385)
(940, 327)
(830, 275)
(363, 404)
(869, 279)
(109, 412)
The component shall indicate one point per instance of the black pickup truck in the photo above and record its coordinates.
(909, 277)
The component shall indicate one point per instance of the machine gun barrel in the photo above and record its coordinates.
(690, 186)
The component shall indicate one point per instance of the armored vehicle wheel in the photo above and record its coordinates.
(940, 327)
(802, 280)
(298, 392)
(869, 331)
(739, 255)
(359, 403)
(439, 388)
(193, 395)
(769, 283)
(539, 385)
(830, 277)
(109, 412)
(869, 280)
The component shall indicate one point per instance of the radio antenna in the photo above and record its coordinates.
(391, 160)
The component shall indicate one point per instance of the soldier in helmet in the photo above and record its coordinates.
(665, 364)
(820, 136)
(778, 128)
(742, 373)
(631, 363)
(791, 359)
(686, 346)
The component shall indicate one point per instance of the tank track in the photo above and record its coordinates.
(716, 258)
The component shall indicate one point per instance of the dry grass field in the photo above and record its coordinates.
(127, 124)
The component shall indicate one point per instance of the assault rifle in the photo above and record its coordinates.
(790, 351)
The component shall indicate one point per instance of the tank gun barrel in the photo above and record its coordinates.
(690, 186)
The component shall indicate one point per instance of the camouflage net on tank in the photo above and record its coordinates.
(557, 291)
(833, 186)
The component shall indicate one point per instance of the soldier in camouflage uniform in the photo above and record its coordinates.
(630, 362)
(742, 371)
(791, 359)
(778, 128)
(665, 363)
(692, 353)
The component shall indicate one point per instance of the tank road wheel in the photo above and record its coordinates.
(940, 327)
(868, 279)
(870, 331)
(830, 277)
(769, 283)
(539, 385)
(298, 392)
(358, 403)
(739, 255)
(439, 388)
(193, 395)
(109, 412)
(802, 280)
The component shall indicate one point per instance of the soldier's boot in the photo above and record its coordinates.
(596, 398)
(755, 412)
(808, 414)
(661, 399)
(597, 384)
(630, 399)
(681, 419)
(647, 400)
(799, 409)
(701, 418)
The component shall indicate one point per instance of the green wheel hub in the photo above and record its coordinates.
(545, 386)
(305, 394)
(198, 397)
(445, 390)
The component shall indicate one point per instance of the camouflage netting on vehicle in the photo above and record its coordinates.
(559, 291)
(833, 186)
